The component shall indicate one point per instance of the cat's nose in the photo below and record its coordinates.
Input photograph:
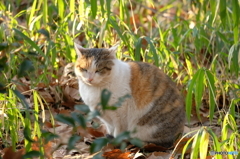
(90, 79)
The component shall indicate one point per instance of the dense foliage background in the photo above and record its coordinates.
(196, 42)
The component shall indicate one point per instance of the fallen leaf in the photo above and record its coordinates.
(159, 155)
(94, 132)
(116, 154)
(152, 147)
(181, 144)
(9, 153)
(46, 96)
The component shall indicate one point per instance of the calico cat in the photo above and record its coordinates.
(155, 109)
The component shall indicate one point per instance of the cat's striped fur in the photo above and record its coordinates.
(155, 109)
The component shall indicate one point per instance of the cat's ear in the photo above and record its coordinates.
(79, 49)
(113, 49)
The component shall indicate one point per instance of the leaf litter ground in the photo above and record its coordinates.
(63, 103)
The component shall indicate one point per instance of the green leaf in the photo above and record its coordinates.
(186, 146)
(195, 145)
(93, 114)
(119, 138)
(48, 136)
(3, 63)
(22, 98)
(223, 11)
(105, 97)
(204, 144)
(98, 144)
(32, 154)
(199, 87)
(235, 17)
(211, 87)
(216, 144)
(79, 119)
(93, 8)
(25, 68)
(3, 46)
(189, 95)
(28, 40)
(65, 119)
(137, 142)
(72, 141)
(27, 134)
(44, 32)
(82, 108)
(3, 88)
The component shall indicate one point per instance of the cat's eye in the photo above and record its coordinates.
(99, 70)
(83, 69)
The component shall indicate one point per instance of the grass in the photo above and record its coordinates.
(194, 42)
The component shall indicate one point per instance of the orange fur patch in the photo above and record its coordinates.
(145, 83)
(84, 63)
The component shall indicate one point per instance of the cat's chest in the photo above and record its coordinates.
(92, 95)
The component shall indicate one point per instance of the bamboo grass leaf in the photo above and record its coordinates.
(212, 92)
(199, 87)
(28, 40)
(204, 144)
(93, 8)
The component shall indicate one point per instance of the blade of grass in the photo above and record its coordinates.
(28, 40)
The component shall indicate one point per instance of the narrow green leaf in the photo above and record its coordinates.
(216, 144)
(93, 8)
(223, 11)
(196, 144)
(211, 87)
(27, 134)
(235, 16)
(204, 144)
(45, 33)
(105, 97)
(136, 142)
(79, 119)
(45, 12)
(153, 51)
(138, 47)
(48, 136)
(82, 108)
(119, 138)
(72, 9)
(28, 40)
(108, 8)
(98, 144)
(72, 141)
(61, 6)
(199, 87)
(32, 13)
(25, 68)
(65, 119)
(189, 95)
(32, 154)
(186, 146)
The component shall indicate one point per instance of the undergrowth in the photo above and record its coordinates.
(194, 42)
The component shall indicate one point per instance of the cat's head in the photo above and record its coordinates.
(94, 65)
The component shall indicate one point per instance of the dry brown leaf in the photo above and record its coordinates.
(94, 132)
(65, 112)
(152, 147)
(9, 153)
(180, 145)
(159, 155)
(46, 96)
(48, 147)
(116, 154)
(108, 148)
